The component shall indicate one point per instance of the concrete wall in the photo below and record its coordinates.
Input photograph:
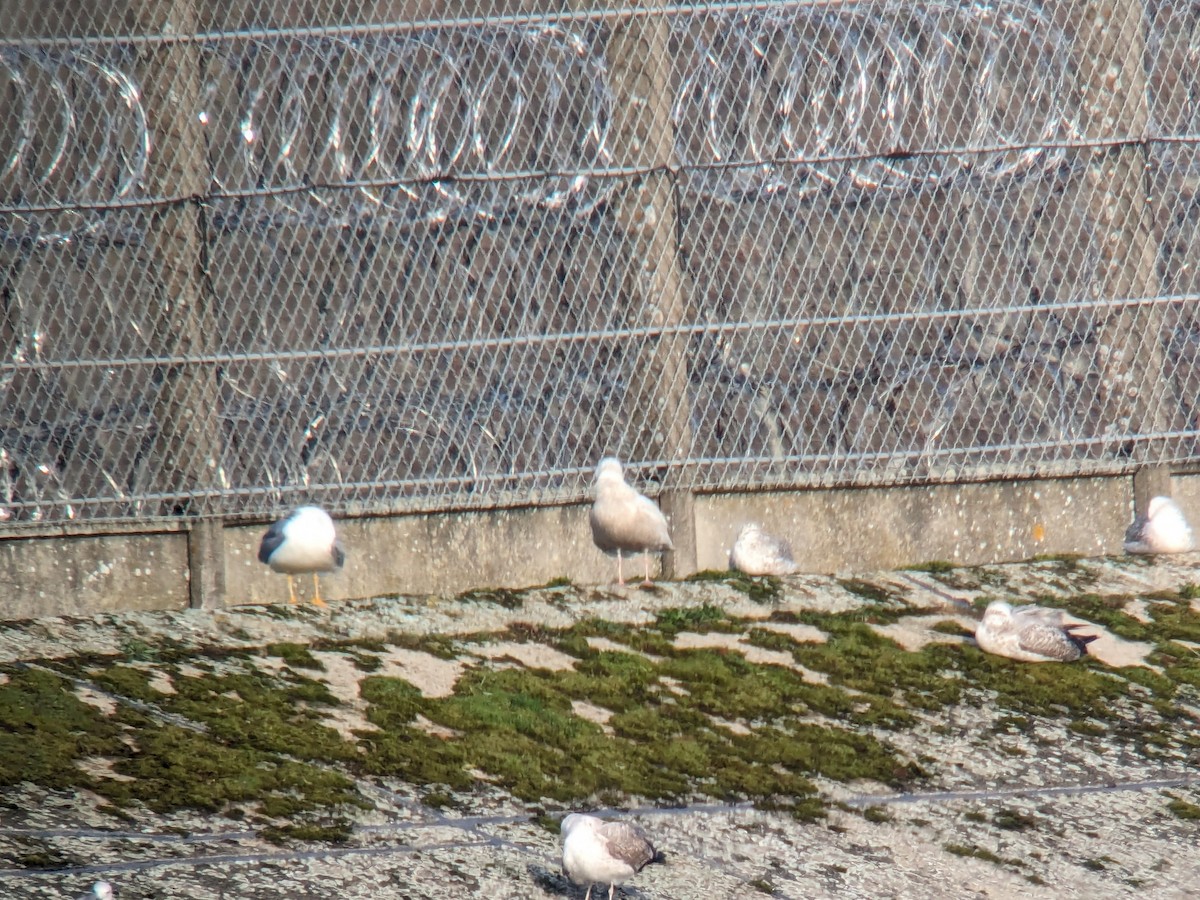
(831, 530)
(877, 528)
(85, 575)
(432, 553)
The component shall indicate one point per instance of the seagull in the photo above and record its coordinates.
(624, 520)
(756, 552)
(596, 850)
(101, 890)
(1029, 634)
(305, 541)
(1163, 529)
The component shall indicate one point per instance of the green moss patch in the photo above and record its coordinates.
(337, 831)
(1184, 810)
(504, 597)
(870, 591)
(972, 851)
(45, 729)
(933, 567)
(765, 589)
(255, 731)
(518, 728)
(694, 618)
(176, 768)
(439, 645)
(295, 655)
(279, 714)
(35, 853)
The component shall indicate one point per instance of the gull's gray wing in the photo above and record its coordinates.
(1052, 642)
(628, 843)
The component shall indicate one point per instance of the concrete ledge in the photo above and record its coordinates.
(831, 531)
(429, 554)
(968, 524)
(82, 576)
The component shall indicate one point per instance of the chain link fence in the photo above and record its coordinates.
(390, 256)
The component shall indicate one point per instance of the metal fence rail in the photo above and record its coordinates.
(386, 261)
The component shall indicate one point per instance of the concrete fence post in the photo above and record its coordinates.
(1148, 483)
(1111, 44)
(187, 449)
(659, 405)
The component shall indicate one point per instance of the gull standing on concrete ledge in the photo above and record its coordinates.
(596, 850)
(624, 520)
(1029, 634)
(756, 552)
(305, 541)
(1163, 529)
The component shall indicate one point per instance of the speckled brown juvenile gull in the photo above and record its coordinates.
(1029, 634)
(624, 521)
(1163, 529)
(599, 851)
(306, 541)
(756, 552)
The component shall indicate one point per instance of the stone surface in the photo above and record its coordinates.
(967, 524)
(1010, 806)
(82, 575)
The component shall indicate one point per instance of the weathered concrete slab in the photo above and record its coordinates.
(82, 575)
(1186, 491)
(435, 553)
(1009, 780)
(967, 524)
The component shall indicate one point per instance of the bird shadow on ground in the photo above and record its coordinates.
(550, 880)
(557, 883)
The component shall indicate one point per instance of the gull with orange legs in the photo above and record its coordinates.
(306, 541)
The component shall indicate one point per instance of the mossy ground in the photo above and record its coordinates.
(247, 733)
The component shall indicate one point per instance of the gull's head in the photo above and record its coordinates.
(1158, 504)
(102, 890)
(311, 523)
(1164, 529)
(609, 469)
(749, 530)
(573, 821)
(997, 612)
(311, 517)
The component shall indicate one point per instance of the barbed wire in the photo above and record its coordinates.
(424, 125)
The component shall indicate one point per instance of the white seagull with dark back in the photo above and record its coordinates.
(755, 552)
(596, 850)
(306, 541)
(624, 521)
(1163, 529)
(1029, 634)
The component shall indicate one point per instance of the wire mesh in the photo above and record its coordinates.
(396, 256)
